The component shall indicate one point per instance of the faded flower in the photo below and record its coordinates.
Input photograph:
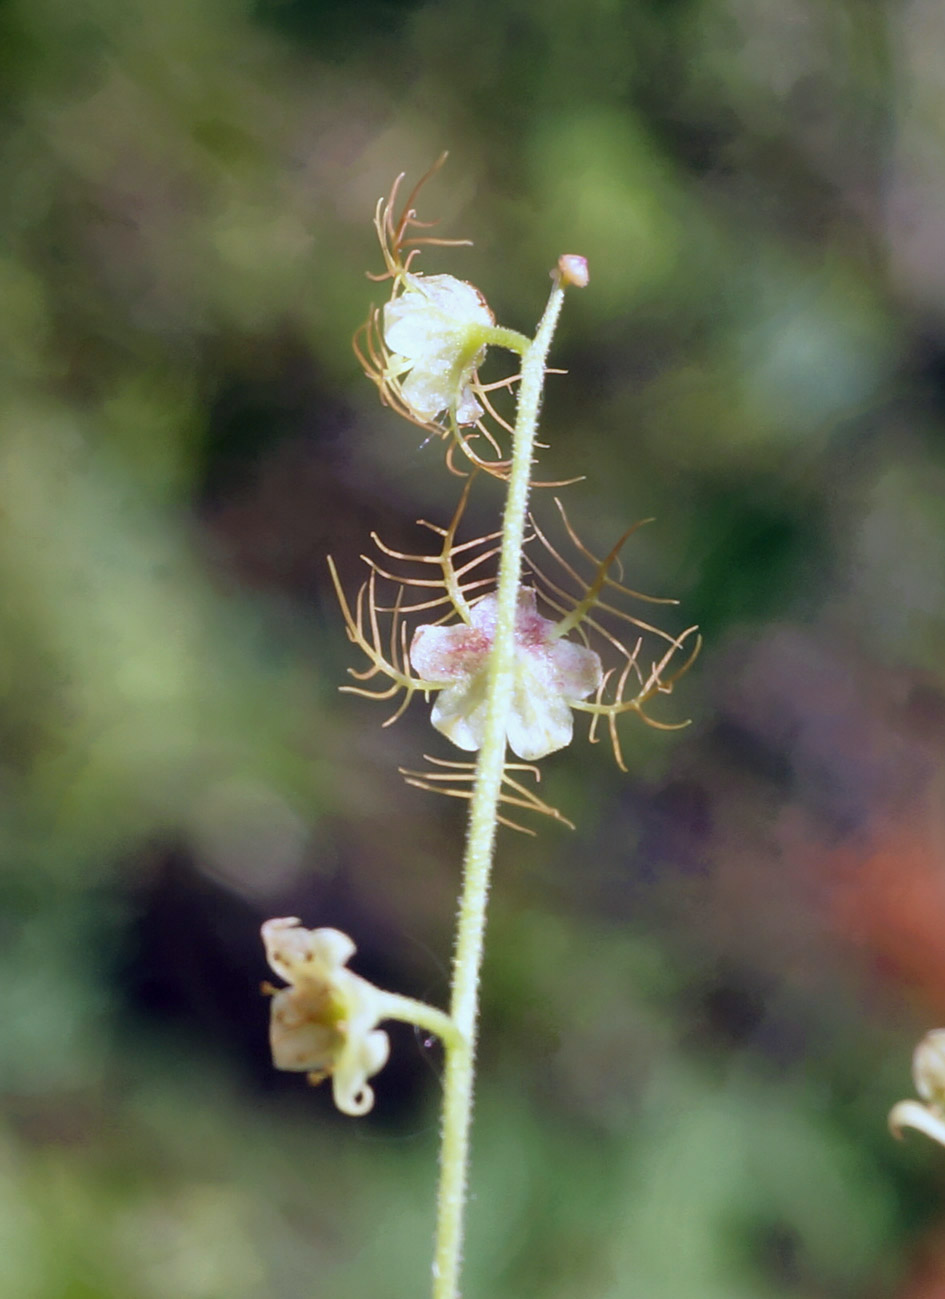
(325, 1022)
(550, 674)
(928, 1072)
(436, 332)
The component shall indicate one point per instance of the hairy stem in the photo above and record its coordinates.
(393, 1006)
(480, 837)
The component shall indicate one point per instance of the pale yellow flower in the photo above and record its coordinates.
(325, 1022)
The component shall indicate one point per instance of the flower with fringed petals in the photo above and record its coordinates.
(556, 670)
(550, 673)
(436, 331)
(424, 347)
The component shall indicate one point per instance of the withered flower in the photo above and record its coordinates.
(325, 1022)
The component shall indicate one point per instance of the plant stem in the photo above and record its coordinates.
(393, 1006)
(480, 836)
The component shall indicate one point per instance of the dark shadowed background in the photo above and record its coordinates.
(700, 1004)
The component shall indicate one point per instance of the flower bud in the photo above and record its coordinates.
(573, 271)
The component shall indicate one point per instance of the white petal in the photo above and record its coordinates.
(448, 654)
(460, 713)
(435, 314)
(298, 1041)
(428, 388)
(468, 410)
(548, 674)
(457, 298)
(361, 1059)
(484, 614)
(414, 329)
(910, 1114)
(577, 669)
(293, 951)
(541, 721)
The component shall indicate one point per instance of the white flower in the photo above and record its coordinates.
(928, 1072)
(550, 672)
(435, 332)
(324, 1022)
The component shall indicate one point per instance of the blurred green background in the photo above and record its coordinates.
(699, 1005)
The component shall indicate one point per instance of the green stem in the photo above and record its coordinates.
(499, 336)
(480, 837)
(393, 1006)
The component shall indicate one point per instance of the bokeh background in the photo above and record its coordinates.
(700, 1004)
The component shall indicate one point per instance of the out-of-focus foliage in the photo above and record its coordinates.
(700, 1005)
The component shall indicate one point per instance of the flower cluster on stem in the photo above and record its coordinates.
(506, 635)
